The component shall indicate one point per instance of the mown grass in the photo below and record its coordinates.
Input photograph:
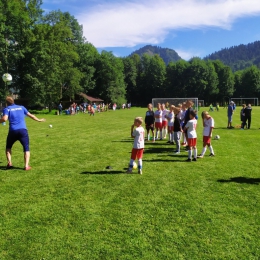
(69, 206)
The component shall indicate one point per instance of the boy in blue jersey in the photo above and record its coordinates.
(17, 130)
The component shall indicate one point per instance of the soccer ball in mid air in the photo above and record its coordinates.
(134, 166)
(7, 77)
(217, 137)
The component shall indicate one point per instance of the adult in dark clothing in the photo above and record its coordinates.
(177, 130)
(149, 121)
(247, 118)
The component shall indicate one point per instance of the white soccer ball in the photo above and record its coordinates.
(7, 77)
(217, 137)
(134, 166)
(50, 126)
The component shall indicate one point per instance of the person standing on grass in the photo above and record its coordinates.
(208, 126)
(177, 128)
(248, 112)
(17, 130)
(149, 122)
(242, 116)
(170, 118)
(189, 105)
(138, 148)
(158, 121)
(230, 112)
(164, 120)
(190, 129)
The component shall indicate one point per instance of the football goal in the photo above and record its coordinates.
(174, 101)
(240, 101)
(201, 103)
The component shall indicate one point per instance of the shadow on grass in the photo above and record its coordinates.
(157, 150)
(170, 160)
(3, 168)
(247, 180)
(104, 172)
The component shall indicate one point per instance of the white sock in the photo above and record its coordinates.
(195, 153)
(156, 134)
(204, 150)
(189, 154)
(140, 164)
(170, 136)
(148, 137)
(161, 134)
(211, 149)
(165, 132)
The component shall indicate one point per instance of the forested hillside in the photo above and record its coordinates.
(166, 54)
(238, 57)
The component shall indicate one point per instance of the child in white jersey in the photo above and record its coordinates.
(138, 147)
(170, 118)
(190, 127)
(158, 121)
(164, 120)
(208, 125)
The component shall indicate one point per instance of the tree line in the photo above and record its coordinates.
(50, 60)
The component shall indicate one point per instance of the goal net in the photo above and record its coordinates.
(241, 101)
(174, 101)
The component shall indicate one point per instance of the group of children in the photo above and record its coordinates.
(181, 121)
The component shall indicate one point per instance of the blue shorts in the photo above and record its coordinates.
(18, 135)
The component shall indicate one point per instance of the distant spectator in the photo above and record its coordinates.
(230, 112)
(248, 112)
(60, 109)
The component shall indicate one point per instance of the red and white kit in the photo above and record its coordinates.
(191, 132)
(138, 147)
(165, 112)
(208, 124)
(158, 119)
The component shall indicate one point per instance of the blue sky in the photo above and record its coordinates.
(190, 27)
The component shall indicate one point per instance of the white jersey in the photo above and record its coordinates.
(180, 115)
(183, 115)
(191, 128)
(208, 123)
(138, 133)
(158, 113)
(170, 119)
(165, 112)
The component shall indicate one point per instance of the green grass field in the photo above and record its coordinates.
(69, 206)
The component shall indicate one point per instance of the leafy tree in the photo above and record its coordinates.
(17, 18)
(130, 73)
(109, 77)
(225, 80)
(251, 81)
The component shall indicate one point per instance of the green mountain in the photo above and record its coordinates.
(166, 54)
(238, 57)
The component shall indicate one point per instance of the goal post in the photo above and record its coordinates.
(240, 101)
(175, 102)
(201, 103)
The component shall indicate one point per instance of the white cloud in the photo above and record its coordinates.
(129, 23)
(187, 54)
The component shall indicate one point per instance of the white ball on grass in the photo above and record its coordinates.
(50, 126)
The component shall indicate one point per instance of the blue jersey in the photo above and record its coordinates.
(16, 116)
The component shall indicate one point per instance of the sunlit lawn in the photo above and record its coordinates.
(69, 206)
